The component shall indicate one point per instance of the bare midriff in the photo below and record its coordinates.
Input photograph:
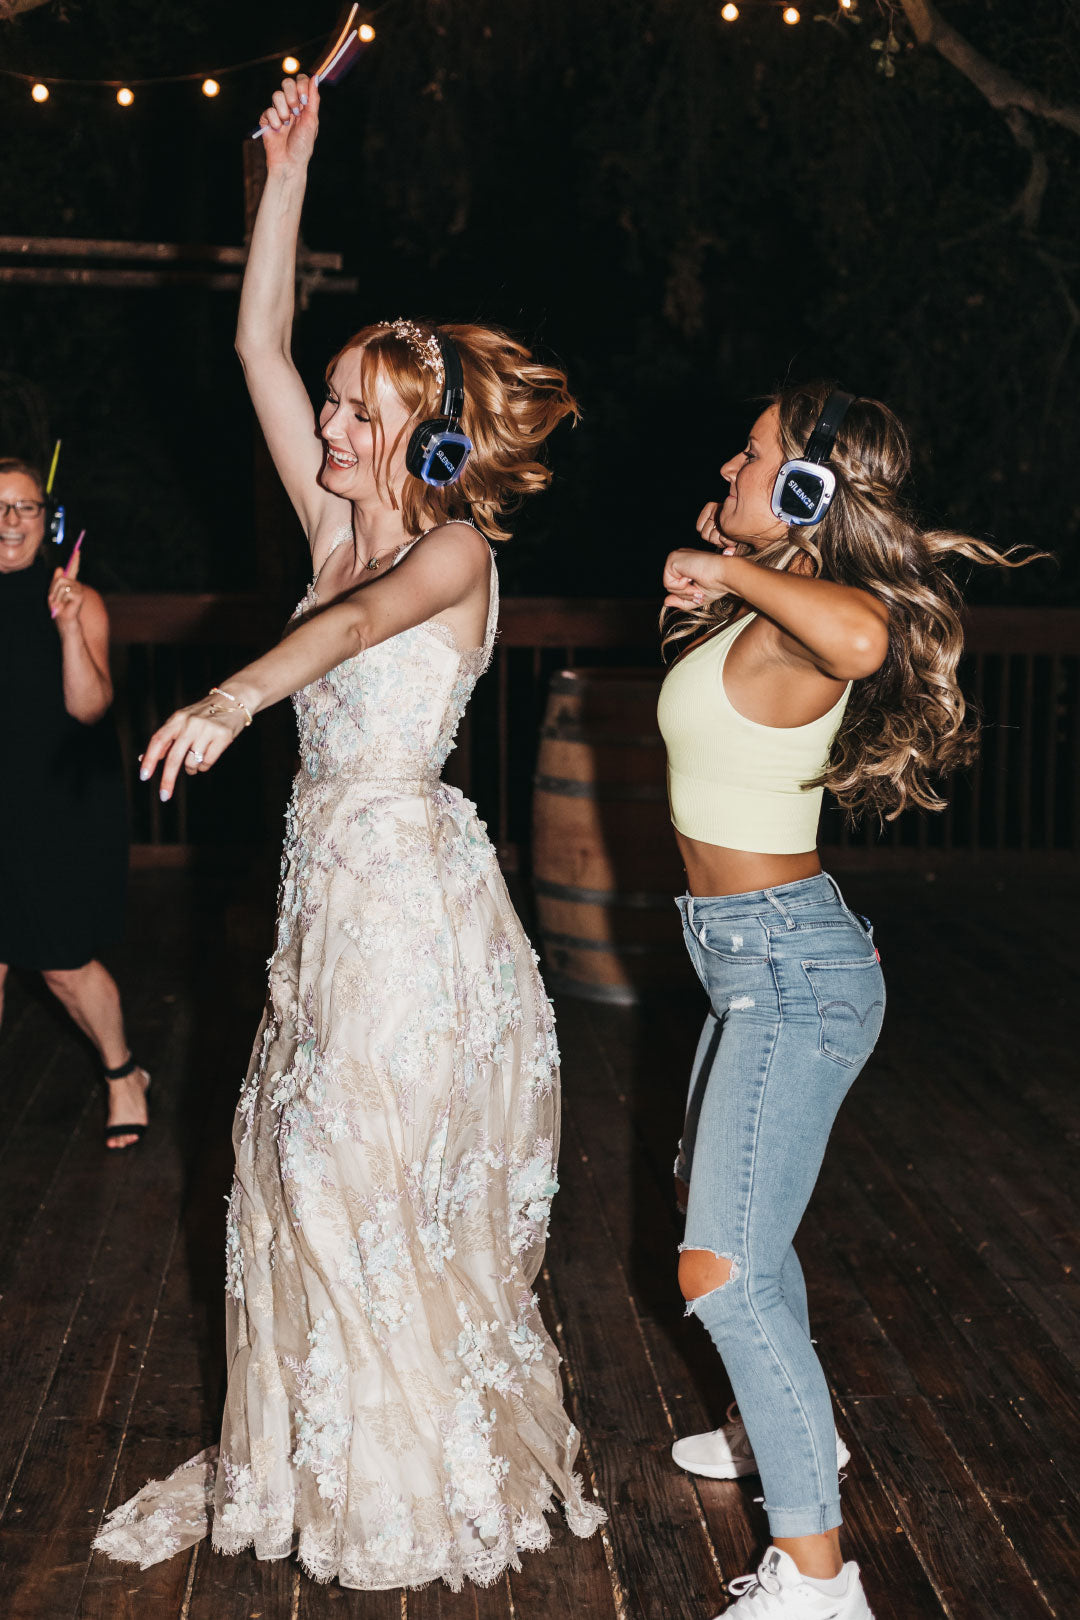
(713, 870)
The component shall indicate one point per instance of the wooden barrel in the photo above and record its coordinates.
(605, 864)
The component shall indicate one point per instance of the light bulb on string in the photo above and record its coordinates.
(730, 13)
(290, 64)
(210, 87)
(125, 96)
(791, 15)
(366, 33)
(40, 92)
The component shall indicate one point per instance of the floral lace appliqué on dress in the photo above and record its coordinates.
(394, 1406)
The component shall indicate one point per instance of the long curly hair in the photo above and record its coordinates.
(907, 726)
(512, 405)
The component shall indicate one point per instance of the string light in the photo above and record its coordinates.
(125, 94)
(791, 15)
(730, 13)
(210, 87)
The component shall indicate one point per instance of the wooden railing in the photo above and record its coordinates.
(1022, 668)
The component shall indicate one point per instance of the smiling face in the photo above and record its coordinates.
(746, 516)
(348, 432)
(21, 533)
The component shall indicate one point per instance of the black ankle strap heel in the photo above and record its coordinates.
(121, 1072)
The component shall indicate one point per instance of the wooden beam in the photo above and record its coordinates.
(78, 247)
(55, 276)
(169, 618)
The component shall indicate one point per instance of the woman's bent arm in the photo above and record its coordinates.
(88, 687)
(842, 631)
(439, 573)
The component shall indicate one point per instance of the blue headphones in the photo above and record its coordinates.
(803, 491)
(438, 450)
(54, 520)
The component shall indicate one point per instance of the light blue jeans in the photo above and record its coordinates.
(796, 1003)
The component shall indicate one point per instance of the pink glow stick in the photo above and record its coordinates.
(69, 565)
(344, 47)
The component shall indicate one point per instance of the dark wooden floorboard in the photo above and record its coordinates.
(941, 1255)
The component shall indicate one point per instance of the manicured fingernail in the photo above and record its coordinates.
(145, 774)
(163, 796)
(303, 100)
(295, 111)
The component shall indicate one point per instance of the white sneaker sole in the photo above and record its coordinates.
(861, 1610)
(739, 1467)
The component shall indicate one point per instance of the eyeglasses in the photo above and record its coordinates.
(23, 509)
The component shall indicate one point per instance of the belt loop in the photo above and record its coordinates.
(789, 922)
(690, 910)
(835, 888)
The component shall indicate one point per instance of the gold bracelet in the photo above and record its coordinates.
(216, 691)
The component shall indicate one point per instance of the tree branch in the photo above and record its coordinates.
(1004, 93)
(11, 8)
(1029, 203)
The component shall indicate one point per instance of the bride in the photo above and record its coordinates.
(394, 1407)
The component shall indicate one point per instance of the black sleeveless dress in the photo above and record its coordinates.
(63, 821)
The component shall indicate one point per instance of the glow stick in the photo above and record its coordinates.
(69, 566)
(347, 39)
(52, 469)
(74, 553)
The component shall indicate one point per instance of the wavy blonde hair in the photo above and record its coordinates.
(512, 405)
(908, 724)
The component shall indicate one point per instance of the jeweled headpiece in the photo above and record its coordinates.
(425, 345)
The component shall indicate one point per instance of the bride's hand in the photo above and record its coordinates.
(291, 123)
(192, 739)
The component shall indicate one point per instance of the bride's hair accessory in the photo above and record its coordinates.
(425, 345)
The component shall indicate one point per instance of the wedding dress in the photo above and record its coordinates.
(394, 1409)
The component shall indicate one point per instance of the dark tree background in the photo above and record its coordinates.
(684, 212)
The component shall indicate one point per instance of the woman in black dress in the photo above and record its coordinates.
(63, 849)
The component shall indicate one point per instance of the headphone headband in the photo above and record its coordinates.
(823, 438)
(453, 400)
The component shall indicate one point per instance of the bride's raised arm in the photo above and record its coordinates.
(264, 328)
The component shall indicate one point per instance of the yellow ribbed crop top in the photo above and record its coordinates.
(732, 781)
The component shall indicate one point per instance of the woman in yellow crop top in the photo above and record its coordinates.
(809, 654)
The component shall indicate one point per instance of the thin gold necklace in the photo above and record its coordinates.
(373, 562)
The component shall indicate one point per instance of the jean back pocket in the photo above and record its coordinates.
(850, 1000)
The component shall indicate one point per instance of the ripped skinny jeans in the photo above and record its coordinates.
(796, 1002)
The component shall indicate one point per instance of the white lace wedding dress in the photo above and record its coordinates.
(394, 1406)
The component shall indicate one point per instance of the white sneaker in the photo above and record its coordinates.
(725, 1453)
(780, 1592)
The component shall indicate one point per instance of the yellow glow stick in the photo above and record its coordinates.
(52, 469)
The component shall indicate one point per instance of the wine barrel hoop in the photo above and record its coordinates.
(572, 789)
(602, 897)
(593, 734)
(625, 948)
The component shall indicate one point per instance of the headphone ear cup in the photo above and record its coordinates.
(778, 493)
(414, 455)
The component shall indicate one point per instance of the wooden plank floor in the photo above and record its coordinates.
(941, 1255)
